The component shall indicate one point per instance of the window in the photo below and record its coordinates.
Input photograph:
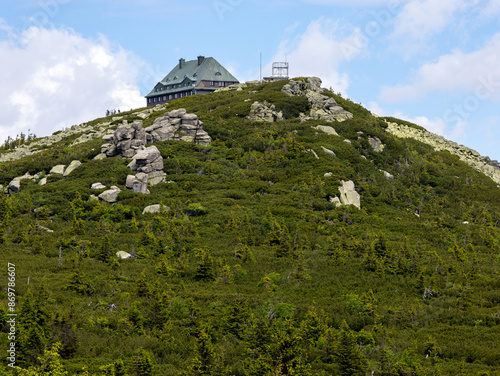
(211, 83)
(175, 78)
(195, 75)
(221, 84)
(164, 98)
(218, 74)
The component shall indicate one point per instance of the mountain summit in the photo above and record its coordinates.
(263, 229)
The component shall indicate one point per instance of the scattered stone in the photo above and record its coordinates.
(58, 170)
(14, 186)
(376, 144)
(43, 181)
(97, 186)
(110, 195)
(313, 153)
(328, 174)
(387, 175)
(326, 129)
(72, 167)
(154, 209)
(122, 255)
(348, 141)
(43, 228)
(328, 151)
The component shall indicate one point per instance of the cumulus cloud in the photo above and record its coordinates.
(477, 72)
(54, 78)
(421, 18)
(320, 51)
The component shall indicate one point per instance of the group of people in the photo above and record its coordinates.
(112, 112)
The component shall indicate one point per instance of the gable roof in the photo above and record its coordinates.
(188, 73)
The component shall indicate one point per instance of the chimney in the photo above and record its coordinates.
(201, 59)
(181, 63)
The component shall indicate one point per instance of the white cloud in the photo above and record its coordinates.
(54, 78)
(320, 51)
(421, 18)
(477, 72)
(492, 8)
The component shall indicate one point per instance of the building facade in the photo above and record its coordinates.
(193, 77)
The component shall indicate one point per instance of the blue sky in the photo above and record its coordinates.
(436, 63)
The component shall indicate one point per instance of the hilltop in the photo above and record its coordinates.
(259, 230)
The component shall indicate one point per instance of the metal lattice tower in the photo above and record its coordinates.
(280, 70)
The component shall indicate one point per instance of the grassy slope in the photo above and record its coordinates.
(263, 193)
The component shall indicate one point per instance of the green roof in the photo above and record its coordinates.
(189, 73)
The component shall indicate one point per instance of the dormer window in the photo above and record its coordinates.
(195, 75)
(175, 78)
(218, 74)
(168, 79)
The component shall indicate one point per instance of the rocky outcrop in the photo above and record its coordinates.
(84, 132)
(148, 164)
(348, 195)
(129, 139)
(322, 107)
(264, 112)
(482, 164)
(376, 144)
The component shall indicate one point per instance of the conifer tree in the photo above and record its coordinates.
(143, 363)
(33, 327)
(350, 360)
(105, 252)
(204, 270)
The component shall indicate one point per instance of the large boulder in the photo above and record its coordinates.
(122, 255)
(348, 194)
(110, 195)
(154, 209)
(326, 129)
(72, 167)
(58, 170)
